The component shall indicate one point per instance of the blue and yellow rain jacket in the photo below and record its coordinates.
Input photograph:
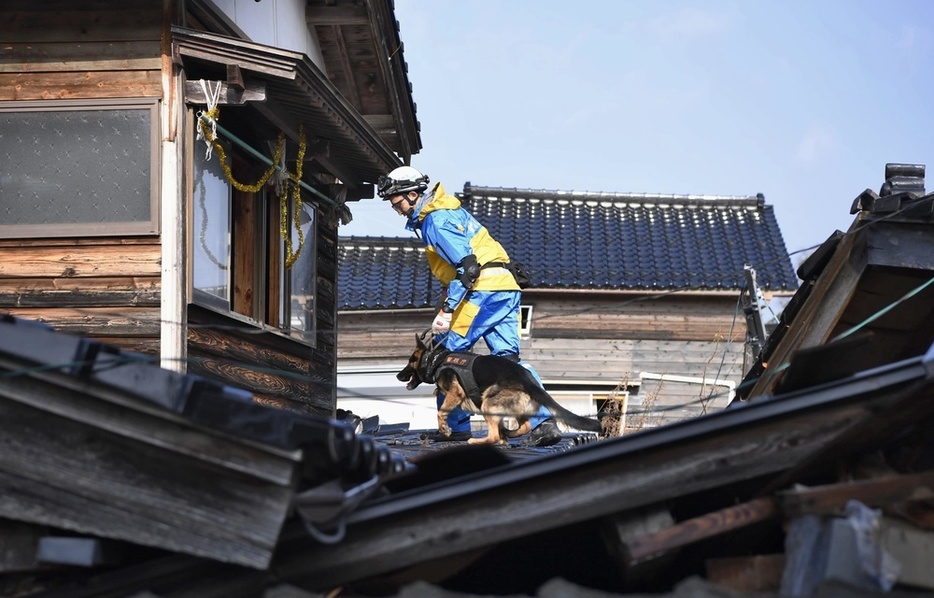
(450, 234)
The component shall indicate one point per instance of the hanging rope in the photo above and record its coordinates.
(212, 96)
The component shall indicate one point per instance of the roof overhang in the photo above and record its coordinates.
(363, 56)
(296, 93)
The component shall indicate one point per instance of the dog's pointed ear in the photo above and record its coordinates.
(418, 341)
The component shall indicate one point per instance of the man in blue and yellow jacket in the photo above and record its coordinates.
(482, 297)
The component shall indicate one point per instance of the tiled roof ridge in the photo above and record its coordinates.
(380, 241)
(544, 194)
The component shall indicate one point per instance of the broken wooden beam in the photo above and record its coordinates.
(831, 499)
(700, 528)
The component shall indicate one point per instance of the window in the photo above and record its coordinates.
(297, 308)
(525, 320)
(240, 256)
(212, 201)
(79, 168)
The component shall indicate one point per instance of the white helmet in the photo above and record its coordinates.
(401, 180)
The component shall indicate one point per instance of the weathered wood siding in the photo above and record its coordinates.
(681, 338)
(52, 50)
(107, 288)
(379, 338)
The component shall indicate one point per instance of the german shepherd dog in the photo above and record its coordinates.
(502, 388)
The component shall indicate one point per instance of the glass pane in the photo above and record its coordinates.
(211, 228)
(75, 166)
(301, 308)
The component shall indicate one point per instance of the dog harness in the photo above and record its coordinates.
(459, 363)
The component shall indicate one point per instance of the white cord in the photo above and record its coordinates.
(211, 96)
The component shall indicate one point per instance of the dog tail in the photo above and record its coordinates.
(578, 422)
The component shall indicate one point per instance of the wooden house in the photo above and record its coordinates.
(119, 221)
(631, 294)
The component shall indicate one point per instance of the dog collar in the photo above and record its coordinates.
(430, 362)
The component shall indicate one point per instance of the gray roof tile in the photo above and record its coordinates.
(583, 240)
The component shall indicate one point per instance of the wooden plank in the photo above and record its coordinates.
(880, 492)
(217, 342)
(144, 346)
(124, 414)
(630, 330)
(142, 285)
(77, 242)
(591, 490)
(248, 285)
(248, 376)
(24, 57)
(80, 85)
(274, 385)
(817, 317)
(336, 15)
(81, 261)
(615, 528)
(97, 321)
(37, 296)
(274, 262)
(118, 468)
(117, 23)
(700, 528)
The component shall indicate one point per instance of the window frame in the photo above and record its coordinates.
(258, 240)
(152, 226)
(307, 335)
(200, 296)
(525, 320)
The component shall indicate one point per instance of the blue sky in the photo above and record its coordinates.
(803, 101)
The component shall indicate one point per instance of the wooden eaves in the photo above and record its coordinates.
(296, 92)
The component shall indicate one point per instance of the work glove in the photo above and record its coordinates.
(442, 322)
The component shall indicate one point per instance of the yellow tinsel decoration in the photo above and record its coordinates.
(225, 163)
(294, 179)
(297, 198)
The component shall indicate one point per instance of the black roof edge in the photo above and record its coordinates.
(757, 200)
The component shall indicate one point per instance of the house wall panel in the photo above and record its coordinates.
(684, 318)
(218, 343)
(96, 321)
(105, 259)
(88, 56)
(620, 359)
(60, 21)
(79, 292)
(282, 388)
(276, 369)
(79, 85)
(102, 288)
